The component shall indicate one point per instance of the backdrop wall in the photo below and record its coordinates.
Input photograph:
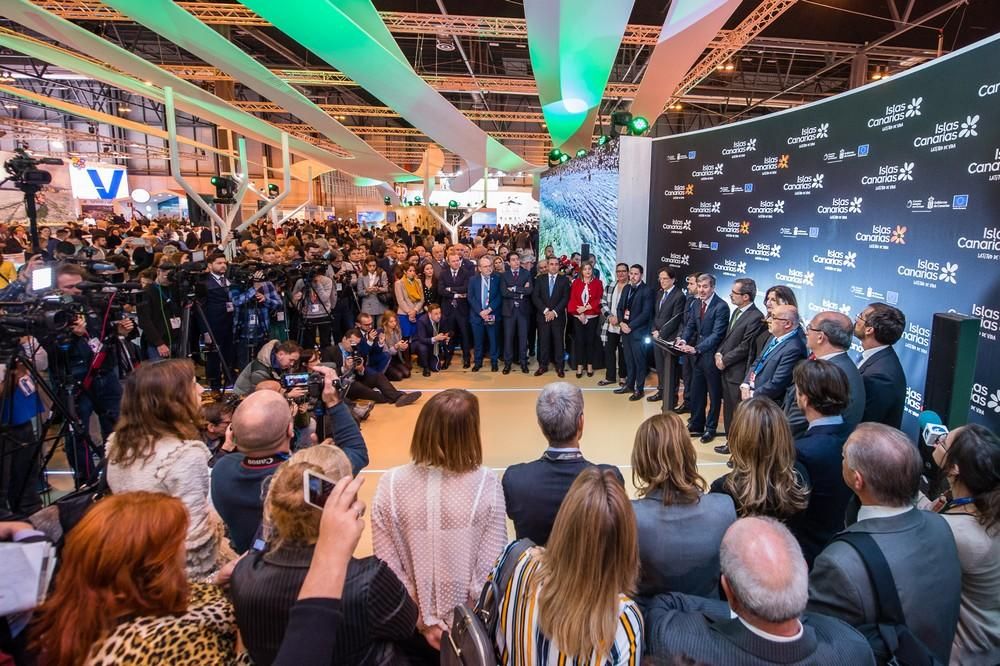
(888, 193)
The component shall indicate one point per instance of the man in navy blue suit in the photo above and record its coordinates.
(634, 317)
(484, 313)
(707, 321)
(516, 284)
(429, 339)
(770, 374)
(454, 291)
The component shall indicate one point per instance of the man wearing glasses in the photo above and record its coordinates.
(770, 373)
(745, 324)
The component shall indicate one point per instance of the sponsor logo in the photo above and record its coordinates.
(706, 208)
(731, 267)
(992, 168)
(882, 236)
(895, 115)
(805, 184)
(987, 247)
(770, 165)
(927, 273)
(709, 171)
(679, 191)
(988, 89)
(676, 259)
(768, 208)
(740, 148)
(985, 399)
(763, 252)
(796, 278)
(917, 337)
(835, 260)
(702, 245)
(799, 232)
(808, 136)
(676, 226)
(844, 154)
(888, 175)
(946, 134)
(826, 305)
(677, 157)
(914, 403)
(840, 207)
(932, 203)
(734, 228)
(736, 189)
(989, 321)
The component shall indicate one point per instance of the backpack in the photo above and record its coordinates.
(890, 639)
(471, 639)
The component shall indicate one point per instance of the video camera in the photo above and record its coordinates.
(23, 170)
(313, 381)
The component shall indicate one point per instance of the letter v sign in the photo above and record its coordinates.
(116, 181)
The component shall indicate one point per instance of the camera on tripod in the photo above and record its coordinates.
(42, 318)
(23, 170)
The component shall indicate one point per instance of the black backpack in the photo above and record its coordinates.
(890, 639)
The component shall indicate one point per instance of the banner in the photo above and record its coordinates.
(888, 193)
(96, 181)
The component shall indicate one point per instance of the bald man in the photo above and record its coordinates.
(765, 579)
(770, 374)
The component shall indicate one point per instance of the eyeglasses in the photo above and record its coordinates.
(737, 293)
(861, 317)
(772, 317)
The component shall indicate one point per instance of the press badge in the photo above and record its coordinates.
(175, 322)
(314, 308)
(252, 320)
(229, 306)
(279, 315)
(95, 345)
(26, 385)
(340, 287)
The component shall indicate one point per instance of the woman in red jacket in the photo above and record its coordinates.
(584, 309)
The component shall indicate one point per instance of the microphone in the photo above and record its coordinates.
(930, 427)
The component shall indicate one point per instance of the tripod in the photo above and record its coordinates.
(191, 303)
(312, 323)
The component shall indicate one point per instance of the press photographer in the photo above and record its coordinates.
(315, 297)
(258, 306)
(274, 359)
(160, 315)
(351, 363)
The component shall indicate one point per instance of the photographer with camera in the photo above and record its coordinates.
(257, 302)
(274, 359)
(315, 297)
(344, 273)
(160, 315)
(374, 386)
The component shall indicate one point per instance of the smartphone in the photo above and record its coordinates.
(294, 379)
(316, 488)
(197, 255)
(41, 278)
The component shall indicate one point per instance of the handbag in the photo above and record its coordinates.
(470, 642)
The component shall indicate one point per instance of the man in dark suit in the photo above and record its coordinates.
(822, 394)
(515, 286)
(765, 580)
(219, 316)
(745, 323)
(770, 374)
(534, 491)
(453, 287)
(374, 386)
(882, 467)
(707, 322)
(429, 339)
(550, 296)
(484, 313)
(878, 327)
(686, 362)
(635, 314)
(668, 314)
(828, 337)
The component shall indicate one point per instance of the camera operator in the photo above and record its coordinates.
(372, 386)
(345, 274)
(273, 360)
(256, 305)
(160, 315)
(315, 297)
(220, 312)
(92, 357)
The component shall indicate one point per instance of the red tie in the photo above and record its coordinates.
(812, 357)
(704, 306)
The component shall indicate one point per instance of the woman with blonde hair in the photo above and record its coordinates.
(156, 446)
(265, 585)
(440, 522)
(766, 480)
(569, 600)
(397, 346)
(680, 526)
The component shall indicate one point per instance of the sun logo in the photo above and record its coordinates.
(898, 235)
(783, 162)
(688, 189)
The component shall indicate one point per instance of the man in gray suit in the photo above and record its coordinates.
(828, 337)
(882, 467)
(764, 577)
(732, 356)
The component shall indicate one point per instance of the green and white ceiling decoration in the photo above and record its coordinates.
(689, 27)
(573, 44)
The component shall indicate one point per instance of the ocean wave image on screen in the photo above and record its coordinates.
(579, 204)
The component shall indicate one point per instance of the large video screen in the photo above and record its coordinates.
(579, 204)
(890, 193)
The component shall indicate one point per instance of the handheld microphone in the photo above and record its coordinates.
(930, 427)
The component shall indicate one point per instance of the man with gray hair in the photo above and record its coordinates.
(882, 467)
(765, 580)
(534, 490)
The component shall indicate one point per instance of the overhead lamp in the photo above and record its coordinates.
(452, 204)
(124, 109)
(619, 122)
(555, 156)
(272, 190)
(57, 144)
(387, 200)
(677, 107)
(445, 43)
(9, 105)
(582, 152)
(638, 126)
(225, 188)
(564, 158)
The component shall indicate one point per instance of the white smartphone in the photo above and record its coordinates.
(316, 488)
(41, 278)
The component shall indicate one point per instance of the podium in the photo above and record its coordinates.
(667, 380)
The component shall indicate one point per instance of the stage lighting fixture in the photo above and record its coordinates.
(272, 190)
(620, 119)
(387, 200)
(452, 204)
(638, 126)
(564, 158)
(582, 152)
(555, 156)
(225, 189)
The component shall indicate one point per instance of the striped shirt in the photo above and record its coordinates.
(520, 641)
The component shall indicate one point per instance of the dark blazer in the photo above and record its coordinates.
(454, 291)
(476, 304)
(425, 331)
(855, 407)
(557, 301)
(885, 388)
(534, 491)
(818, 449)
(921, 553)
(640, 306)
(668, 316)
(377, 608)
(775, 375)
(736, 346)
(516, 290)
(705, 334)
(704, 630)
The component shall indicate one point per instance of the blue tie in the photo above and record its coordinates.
(486, 292)
(552, 284)
(770, 346)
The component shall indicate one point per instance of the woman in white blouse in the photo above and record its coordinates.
(440, 521)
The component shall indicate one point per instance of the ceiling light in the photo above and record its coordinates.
(9, 105)
(445, 43)
(56, 145)
(124, 109)
(494, 43)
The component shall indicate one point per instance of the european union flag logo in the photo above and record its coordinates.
(863, 150)
(692, 154)
(960, 202)
(714, 246)
(748, 187)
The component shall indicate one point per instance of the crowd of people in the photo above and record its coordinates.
(832, 539)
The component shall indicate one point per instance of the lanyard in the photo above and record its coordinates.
(763, 358)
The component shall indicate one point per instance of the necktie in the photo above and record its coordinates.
(662, 299)
(767, 350)
(434, 327)
(732, 320)
(812, 357)
(486, 291)
(552, 284)
(454, 274)
(704, 307)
